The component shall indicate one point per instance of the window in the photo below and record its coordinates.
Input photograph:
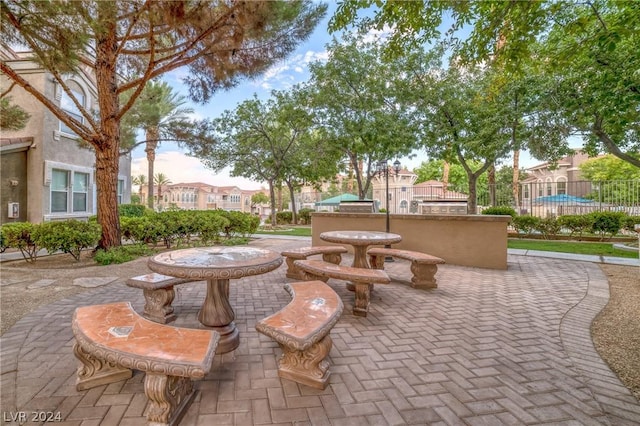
(120, 190)
(70, 190)
(561, 187)
(526, 191)
(80, 191)
(59, 188)
(234, 198)
(66, 103)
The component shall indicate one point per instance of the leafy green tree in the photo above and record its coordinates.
(126, 44)
(462, 118)
(256, 140)
(616, 181)
(590, 59)
(358, 109)
(587, 52)
(608, 167)
(435, 170)
(12, 117)
(259, 198)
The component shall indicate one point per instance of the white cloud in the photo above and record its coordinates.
(283, 75)
(180, 168)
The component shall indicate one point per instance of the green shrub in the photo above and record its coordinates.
(284, 218)
(525, 224)
(606, 223)
(630, 222)
(500, 210)
(122, 254)
(141, 230)
(304, 216)
(131, 210)
(3, 245)
(576, 224)
(68, 236)
(236, 241)
(212, 227)
(18, 235)
(171, 226)
(549, 227)
(240, 224)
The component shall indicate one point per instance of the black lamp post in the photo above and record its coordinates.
(383, 168)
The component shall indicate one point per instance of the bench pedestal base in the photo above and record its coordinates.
(424, 276)
(307, 367)
(169, 397)
(157, 306)
(96, 372)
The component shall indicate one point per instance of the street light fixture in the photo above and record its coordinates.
(383, 168)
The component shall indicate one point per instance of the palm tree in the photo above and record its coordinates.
(159, 113)
(140, 180)
(161, 179)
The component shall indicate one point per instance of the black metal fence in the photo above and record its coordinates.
(542, 199)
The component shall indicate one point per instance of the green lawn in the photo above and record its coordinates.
(577, 247)
(298, 231)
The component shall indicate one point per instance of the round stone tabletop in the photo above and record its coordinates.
(215, 262)
(364, 238)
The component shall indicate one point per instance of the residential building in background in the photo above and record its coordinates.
(45, 175)
(202, 196)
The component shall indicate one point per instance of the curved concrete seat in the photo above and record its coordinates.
(361, 278)
(302, 330)
(331, 254)
(112, 339)
(423, 266)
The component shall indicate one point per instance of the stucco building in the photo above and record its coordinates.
(202, 196)
(45, 175)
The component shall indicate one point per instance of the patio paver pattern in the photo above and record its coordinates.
(487, 347)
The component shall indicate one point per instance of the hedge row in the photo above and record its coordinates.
(68, 236)
(181, 226)
(605, 224)
(145, 226)
(286, 217)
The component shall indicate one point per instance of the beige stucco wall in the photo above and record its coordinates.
(468, 240)
(52, 148)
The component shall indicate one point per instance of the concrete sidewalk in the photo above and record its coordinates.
(487, 347)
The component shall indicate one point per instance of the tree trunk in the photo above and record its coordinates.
(108, 143)
(515, 187)
(150, 149)
(272, 194)
(491, 177)
(294, 216)
(445, 177)
(472, 199)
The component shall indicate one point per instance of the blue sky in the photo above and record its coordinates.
(180, 168)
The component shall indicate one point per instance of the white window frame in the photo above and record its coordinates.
(71, 169)
(68, 106)
(78, 190)
(120, 190)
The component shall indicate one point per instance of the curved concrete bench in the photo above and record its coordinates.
(423, 266)
(302, 330)
(112, 339)
(331, 254)
(158, 295)
(362, 279)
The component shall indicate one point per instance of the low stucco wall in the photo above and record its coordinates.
(468, 240)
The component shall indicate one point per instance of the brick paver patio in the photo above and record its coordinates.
(486, 347)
